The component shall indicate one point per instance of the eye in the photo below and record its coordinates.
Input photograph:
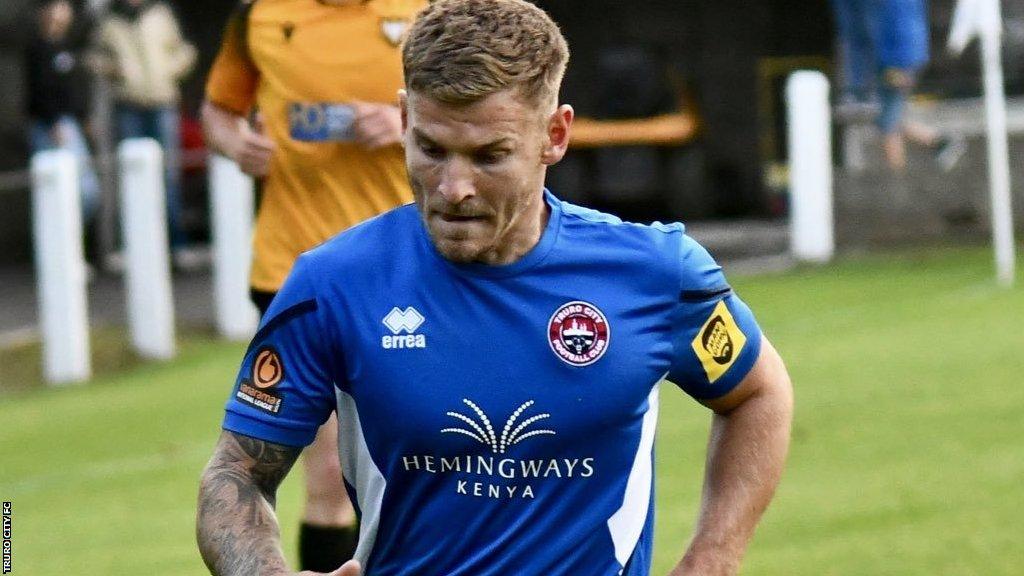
(431, 151)
(490, 157)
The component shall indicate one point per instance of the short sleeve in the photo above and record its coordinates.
(233, 77)
(284, 389)
(716, 339)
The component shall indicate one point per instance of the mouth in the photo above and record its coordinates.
(459, 218)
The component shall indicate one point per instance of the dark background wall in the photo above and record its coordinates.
(729, 59)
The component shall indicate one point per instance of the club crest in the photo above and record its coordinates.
(578, 333)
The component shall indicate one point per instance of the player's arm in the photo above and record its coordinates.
(230, 134)
(230, 95)
(284, 391)
(746, 452)
(236, 525)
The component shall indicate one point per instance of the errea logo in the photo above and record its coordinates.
(407, 321)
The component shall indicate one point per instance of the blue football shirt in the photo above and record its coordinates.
(495, 419)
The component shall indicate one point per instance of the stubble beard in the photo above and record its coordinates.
(460, 249)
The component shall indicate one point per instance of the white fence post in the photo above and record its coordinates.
(60, 267)
(232, 204)
(983, 18)
(810, 167)
(998, 145)
(147, 265)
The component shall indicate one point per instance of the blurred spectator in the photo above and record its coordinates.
(902, 53)
(140, 49)
(883, 45)
(55, 102)
(856, 24)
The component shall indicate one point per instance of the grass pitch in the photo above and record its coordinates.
(907, 455)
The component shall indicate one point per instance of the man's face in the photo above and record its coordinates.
(57, 17)
(477, 172)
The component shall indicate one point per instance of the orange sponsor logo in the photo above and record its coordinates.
(267, 371)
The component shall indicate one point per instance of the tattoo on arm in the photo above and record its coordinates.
(235, 524)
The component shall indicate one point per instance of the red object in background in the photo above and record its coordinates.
(193, 145)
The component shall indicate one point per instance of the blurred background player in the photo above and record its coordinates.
(140, 50)
(322, 77)
(56, 105)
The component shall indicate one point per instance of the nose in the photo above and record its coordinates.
(456, 182)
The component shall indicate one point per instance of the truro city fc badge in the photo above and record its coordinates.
(578, 333)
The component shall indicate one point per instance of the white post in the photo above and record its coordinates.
(983, 18)
(810, 167)
(232, 204)
(147, 266)
(998, 147)
(60, 267)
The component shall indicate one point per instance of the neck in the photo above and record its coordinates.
(53, 36)
(524, 232)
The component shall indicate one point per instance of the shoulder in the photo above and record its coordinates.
(584, 217)
(237, 28)
(662, 248)
(651, 240)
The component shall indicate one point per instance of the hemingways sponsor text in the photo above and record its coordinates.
(500, 478)
(7, 537)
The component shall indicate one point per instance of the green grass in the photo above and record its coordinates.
(907, 455)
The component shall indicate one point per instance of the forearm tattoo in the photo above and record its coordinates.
(235, 524)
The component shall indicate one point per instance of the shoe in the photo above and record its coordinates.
(948, 151)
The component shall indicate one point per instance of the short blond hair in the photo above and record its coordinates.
(461, 51)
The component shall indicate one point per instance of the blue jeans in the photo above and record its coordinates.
(163, 125)
(41, 137)
(857, 27)
(894, 102)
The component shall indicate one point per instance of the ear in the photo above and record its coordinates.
(403, 107)
(558, 128)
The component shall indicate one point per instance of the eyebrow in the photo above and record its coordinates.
(504, 140)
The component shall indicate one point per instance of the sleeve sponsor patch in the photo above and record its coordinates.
(718, 342)
(267, 372)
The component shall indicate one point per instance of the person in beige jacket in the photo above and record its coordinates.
(139, 48)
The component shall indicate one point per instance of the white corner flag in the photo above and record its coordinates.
(982, 18)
